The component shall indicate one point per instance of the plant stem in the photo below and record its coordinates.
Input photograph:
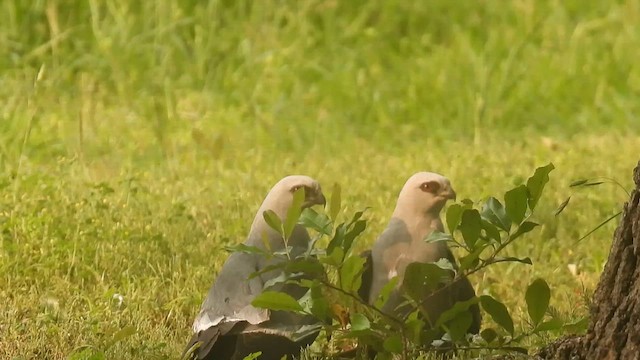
(399, 322)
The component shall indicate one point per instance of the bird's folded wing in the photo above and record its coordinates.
(230, 297)
(293, 332)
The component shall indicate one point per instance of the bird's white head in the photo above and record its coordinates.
(424, 193)
(280, 198)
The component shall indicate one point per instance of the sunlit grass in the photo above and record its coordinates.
(136, 141)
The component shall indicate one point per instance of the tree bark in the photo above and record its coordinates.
(614, 328)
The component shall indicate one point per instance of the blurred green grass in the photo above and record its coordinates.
(138, 138)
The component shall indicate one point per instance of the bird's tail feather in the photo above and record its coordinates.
(201, 344)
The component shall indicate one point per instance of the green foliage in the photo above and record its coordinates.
(275, 300)
(498, 312)
(470, 227)
(336, 200)
(273, 221)
(253, 356)
(421, 279)
(536, 184)
(350, 273)
(537, 297)
(496, 213)
(316, 221)
(294, 213)
(516, 203)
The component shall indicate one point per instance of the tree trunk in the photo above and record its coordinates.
(614, 328)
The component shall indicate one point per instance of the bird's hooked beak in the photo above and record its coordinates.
(316, 199)
(450, 195)
(322, 200)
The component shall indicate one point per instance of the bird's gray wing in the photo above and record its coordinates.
(384, 255)
(230, 297)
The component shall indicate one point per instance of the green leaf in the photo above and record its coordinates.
(351, 273)
(489, 335)
(365, 336)
(293, 214)
(276, 280)
(359, 322)
(457, 308)
(274, 300)
(525, 260)
(357, 216)
(537, 298)
(415, 326)
(585, 183)
(515, 202)
(334, 258)
(336, 199)
(498, 312)
(577, 327)
(265, 241)
(276, 266)
(121, 334)
(311, 219)
(537, 182)
(467, 203)
(594, 183)
(357, 228)
(319, 303)
(550, 325)
(253, 356)
(293, 268)
(470, 226)
(247, 249)
(562, 206)
(285, 251)
(457, 319)
(453, 216)
(578, 182)
(470, 260)
(273, 221)
(524, 228)
(436, 236)
(420, 279)
(492, 231)
(458, 326)
(386, 292)
(338, 239)
(304, 331)
(308, 266)
(444, 263)
(393, 344)
(495, 213)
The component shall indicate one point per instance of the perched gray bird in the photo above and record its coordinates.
(228, 327)
(417, 214)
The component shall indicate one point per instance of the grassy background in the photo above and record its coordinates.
(139, 138)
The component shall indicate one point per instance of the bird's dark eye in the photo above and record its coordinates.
(430, 187)
(297, 187)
